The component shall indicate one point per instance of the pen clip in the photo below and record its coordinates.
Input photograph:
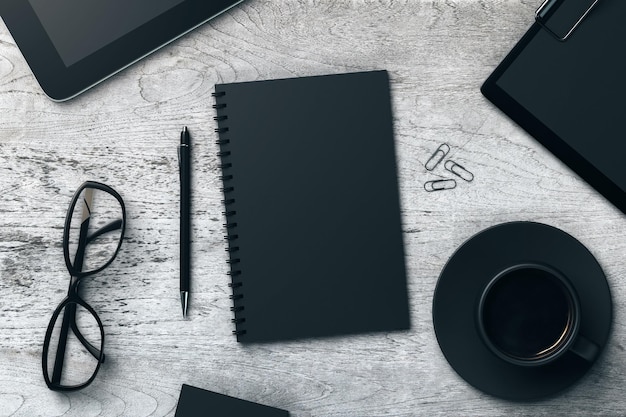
(184, 141)
(180, 172)
(180, 161)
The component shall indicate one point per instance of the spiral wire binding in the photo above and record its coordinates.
(229, 213)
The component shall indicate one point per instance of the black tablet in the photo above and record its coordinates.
(570, 94)
(71, 45)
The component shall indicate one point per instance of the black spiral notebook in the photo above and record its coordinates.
(312, 206)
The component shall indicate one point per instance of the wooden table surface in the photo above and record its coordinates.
(125, 133)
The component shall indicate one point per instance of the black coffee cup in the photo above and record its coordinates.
(529, 315)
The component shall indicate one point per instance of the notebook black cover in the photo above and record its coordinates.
(196, 402)
(312, 204)
(570, 95)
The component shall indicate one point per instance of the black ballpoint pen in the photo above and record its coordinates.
(184, 160)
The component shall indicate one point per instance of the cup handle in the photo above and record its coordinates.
(585, 348)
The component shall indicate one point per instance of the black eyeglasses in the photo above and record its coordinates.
(73, 347)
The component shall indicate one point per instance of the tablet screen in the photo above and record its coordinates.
(77, 28)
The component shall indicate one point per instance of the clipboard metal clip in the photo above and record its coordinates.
(563, 28)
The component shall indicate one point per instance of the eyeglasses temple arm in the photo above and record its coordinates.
(60, 353)
(114, 225)
(82, 244)
(69, 316)
(83, 240)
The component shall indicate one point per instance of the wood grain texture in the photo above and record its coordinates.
(125, 132)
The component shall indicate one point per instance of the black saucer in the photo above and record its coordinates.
(471, 268)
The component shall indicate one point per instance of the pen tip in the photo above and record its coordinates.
(184, 300)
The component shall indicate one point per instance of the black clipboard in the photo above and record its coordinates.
(565, 84)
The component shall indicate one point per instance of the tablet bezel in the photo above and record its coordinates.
(542, 133)
(61, 83)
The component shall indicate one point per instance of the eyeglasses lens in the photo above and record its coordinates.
(76, 355)
(95, 230)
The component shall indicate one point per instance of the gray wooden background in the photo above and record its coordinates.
(125, 133)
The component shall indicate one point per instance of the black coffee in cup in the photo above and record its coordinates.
(528, 314)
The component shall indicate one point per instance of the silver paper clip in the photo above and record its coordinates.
(548, 9)
(438, 185)
(458, 170)
(437, 157)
